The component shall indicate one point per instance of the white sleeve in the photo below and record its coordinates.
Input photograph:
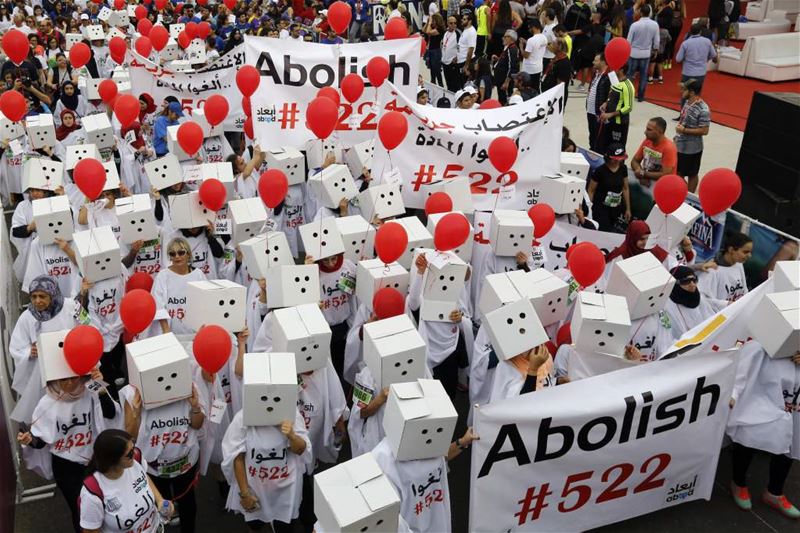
(35, 264)
(92, 511)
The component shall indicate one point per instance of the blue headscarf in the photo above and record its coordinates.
(48, 285)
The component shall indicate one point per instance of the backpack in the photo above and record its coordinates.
(93, 486)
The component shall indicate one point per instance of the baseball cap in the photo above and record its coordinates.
(84, 16)
(616, 151)
(461, 94)
(470, 89)
(323, 12)
(421, 89)
(175, 107)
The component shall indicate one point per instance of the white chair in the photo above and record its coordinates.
(734, 61)
(775, 22)
(774, 57)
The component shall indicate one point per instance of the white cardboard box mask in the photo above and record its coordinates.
(775, 323)
(172, 51)
(332, 184)
(219, 302)
(159, 368)
(514, 328)
(507, 287)
(248, 217)
(355, 496)
(382, 200)
(265, 251)
(288, 160)
(40, 173)
(269, 385)
(643, 281)
(97, 253)
(373, 275)
(444, 279)
(359, 156)
(164, 172)
(419, 420)
(53, 217)
(601, 323)
(317, 150)
(394, 351)
(175, 29)
(553, 306)
(98, 130)
(223, 172)
(52, 363)
(418, 237)
(573, 164)
(41, 130)
(303, 331)
(187, 211)
(563, 193)
(511, 233)
(94, 32)
(465, 250)
(668, 231)
(358, 237)
(112, 176)
(174, 146)
(321, 238)
(10, 129)
(786, 276)
(292, 285)
(79, 152)
(458, 189)
(137, 221)
(72, 39)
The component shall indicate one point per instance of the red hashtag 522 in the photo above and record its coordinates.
(538, 499)
(423, 176)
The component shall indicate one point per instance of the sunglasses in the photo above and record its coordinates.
(129, 455)
(687, 281)
(178, 253)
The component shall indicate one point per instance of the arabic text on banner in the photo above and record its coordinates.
(603, 449)
(293, 72)
(563, 235)
(447, 143)
(193, 88)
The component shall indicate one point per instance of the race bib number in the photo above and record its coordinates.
(218, 407)
(613, 199)
(363, 395)
(83, 317)
(347, 283)
(174, 467)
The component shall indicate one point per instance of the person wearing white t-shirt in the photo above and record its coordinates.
(169, 287)
(450, 55)
(548, 20)
(466, 46)
(533, 51)
(727, 282)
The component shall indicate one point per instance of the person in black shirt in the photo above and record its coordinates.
(608, 191)
(506, 66)
(559, 70)
(578, 21)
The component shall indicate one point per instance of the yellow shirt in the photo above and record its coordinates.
(568, 40)
(482, 16)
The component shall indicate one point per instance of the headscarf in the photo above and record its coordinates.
(336, 266)
(151, 106)
(62, 131)
(681, 296)
(630, 248)
(234, 39)
(135, 127)
(48, 285)
(70, 102)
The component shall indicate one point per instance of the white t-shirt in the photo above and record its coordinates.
(337, 305)
(723, 283)
(169, 292)
(536, 47)
(66, 426)
(547, 31)
(468, 39)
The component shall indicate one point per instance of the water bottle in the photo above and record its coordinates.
(165, 512)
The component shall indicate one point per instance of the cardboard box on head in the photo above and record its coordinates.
(93, 32)
(97, 253)
(79, 152)
(9, 129)
(514, 328)
(72, 39)
(174, 146)
(199, 116)
(458, 189)
(136, 218)
(53, 217)
(90, 88)
(643, 281)
(52, 362)
(563, 193)
(333, 184)
(187, 211)
(248, 217)
(317, 151)
(265, 251)
(511, 233)
(668, 231)
(98, 130)
(574, 165)
(465, 250)
(356, 496)
(442, 283)
(418, 237)
(164, 172)
(288, 160)
(220, 302)
(373, 275)
(172, 51)
(507, 287)
(358, 237)
(224, 173)
(44, 174)
(553, 306)
(269, 384)
(601, 323)
(303, 331)
(41, 131)
(175, 29)
(775, 323)
(196, 52)
(419, 420)
(160, 370)
(321, 238)
(292, 285)
(359, 156)
(382, 200)
(786, 276)
(394, 351)
(112, 176)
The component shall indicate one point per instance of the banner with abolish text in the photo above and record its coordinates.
(446, 143)
(293, 72)
(602, 449)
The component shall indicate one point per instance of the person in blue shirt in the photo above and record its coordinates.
(361, 15)
(174, 112)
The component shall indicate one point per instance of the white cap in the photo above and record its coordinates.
(515, 99)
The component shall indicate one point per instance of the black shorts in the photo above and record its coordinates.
(689, 164)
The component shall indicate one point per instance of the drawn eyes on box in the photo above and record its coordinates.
(306, 279)
(600, 332)
(265, 399)
(232, 302)
(425, 432)
(445, 279)
(316, 235)
(384, 197)
(398, 364)
(99, 262)
(162, 379)
(510, 322)
(310, 356)
(277, 250)
(366, 528)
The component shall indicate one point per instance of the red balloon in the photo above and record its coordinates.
(352, 86)
(377, 70)
(83, 348)
(391, 241)
(216, 109)
(137, 310)
(670, 192)
(159, 37)
(392, 129)
(90, 177)
(183, 40)
(272, 187)
(438, 202)
(339, 15)
(191, 29)
(617, 52)
(246, 106)
(719, 189)
(143, 46)
(119, 4)
(212, 348)
(117, 48)
(16, 46)
(543, 218)
(248, 128)
(323, 114)
(202, 2)
(502, 153)
(388, 302)
(247, 80)
(586, 263)
(140, 12)
(79, 55)
(230, 4)
(203, 29)
(451, 231)
(190, 137)
(107, 90)
(213, 194)
(139, 280)
(161, 4)
(564, 335)
(396, 28)
(573, 247)
(144, 26)
(13, 105)
(329, 92)
(491, 103)
(126, 109)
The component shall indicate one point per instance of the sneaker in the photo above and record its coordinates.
(582, 86)
(741, 497)
(782, 504)
(660, 80)
(650, 80)
(676, 119)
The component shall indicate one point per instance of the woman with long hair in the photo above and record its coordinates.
(435, 29)
(501, 21)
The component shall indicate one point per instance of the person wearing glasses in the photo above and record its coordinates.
(169, 287)
(687, 307)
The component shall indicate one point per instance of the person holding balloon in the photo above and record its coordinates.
(169, 287)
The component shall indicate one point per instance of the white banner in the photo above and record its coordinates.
(293, 72)
(446, 143)
(563, 235)
(603, 449)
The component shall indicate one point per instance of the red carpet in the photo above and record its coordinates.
(728, 96)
